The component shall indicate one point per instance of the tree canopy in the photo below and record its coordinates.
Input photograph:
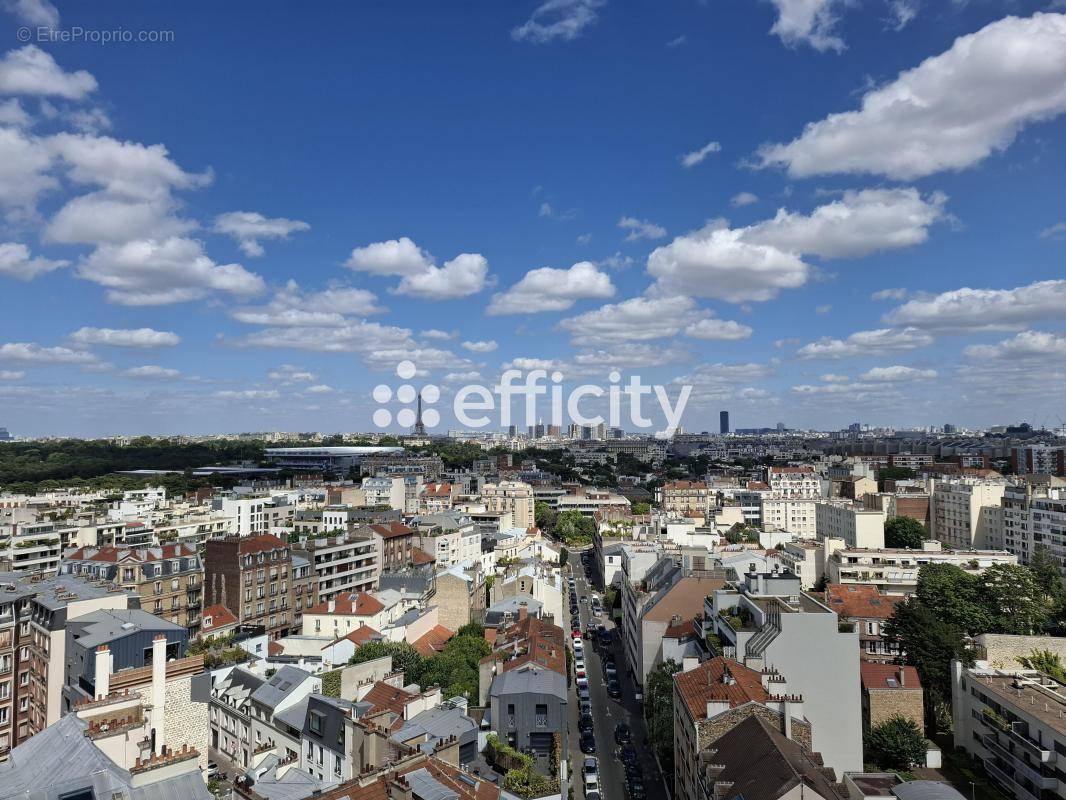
(904, 532)
(574, 528)
(895, 744)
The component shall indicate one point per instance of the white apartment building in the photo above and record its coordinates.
(1029, 517)
(515, 497)
(343, 563)
(260, 513)
(958, 509)
(766, 622)
(896, 571)
(794, 482)
(1014, 722)
(592, 500)
(804, 558)
(795, 515)
(385, 491)
(856, 525)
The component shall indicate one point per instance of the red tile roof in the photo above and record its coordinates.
(420, 557)
(682, 629)
(433, 640)
(439, 489)
(878, 676)
(535, 641)
(720, 679)
(361, 635)
(383, 697)
(860, 601)
(260, 543)
(220, 617)
(113, 554)
(350, 604)
(392, 530)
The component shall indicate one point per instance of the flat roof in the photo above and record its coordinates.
(332, 451)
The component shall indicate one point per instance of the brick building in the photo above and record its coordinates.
(890, 690)
(252, 577)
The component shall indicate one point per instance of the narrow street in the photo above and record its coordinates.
(607, 713)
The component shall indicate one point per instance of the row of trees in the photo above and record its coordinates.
(934, 626)
(454, 669)
(570, 526)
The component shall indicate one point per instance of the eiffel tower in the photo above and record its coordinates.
(420, 427)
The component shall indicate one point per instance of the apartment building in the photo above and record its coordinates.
(259, 513)
(804, 558)
(341, 563)
(1014, 723)
(895, 571)
(681, 496)
(765, 621)
(514, 497)
(713, 698)
(36, 652)
(1039, 459)
(868, 609)
(450, 537)
(900, 504)
(460, 595)
(794, 482)
(889, 691)
(304, 588)
(857, 525)
(32, 547)
(958, 508)
(395, 545)
(591, 501)
(169, 579)
(385, 491)
(796, 515)
(1030, 516)
(667, 595)
(251, 576)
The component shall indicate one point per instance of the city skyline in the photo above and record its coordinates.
(793, 212)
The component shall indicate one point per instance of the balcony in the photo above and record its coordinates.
(1008, 783)
(992, 743)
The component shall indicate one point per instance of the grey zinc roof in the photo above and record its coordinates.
(46, 590)
(103, 627)
(59, 761)
(277, 688)
(529, 680)
(295, 784)
(426, 787)
(436, 723)
(294, 715)
(926, 790)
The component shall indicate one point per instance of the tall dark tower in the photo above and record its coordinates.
(723, 422)
(420, 427)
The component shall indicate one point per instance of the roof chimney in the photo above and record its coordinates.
(902, 676)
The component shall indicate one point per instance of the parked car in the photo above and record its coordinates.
(212, 769)
(636, 790)
(585, 723)
(614, 690)
(590, 774)
(627, 754)
(584, 707)
(622, 734)
(582, 683)
(588, 742)
(583, 692)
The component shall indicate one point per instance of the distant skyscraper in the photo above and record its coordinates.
(780, 426)
(723, 422)
(574, 431)
(512, 431)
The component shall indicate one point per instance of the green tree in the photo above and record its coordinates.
(564, 556)
(544, 516)
(1046, 662)
(893, 474)
(1016, 603)
(1047, 573)
(641, 508)
(574, 528)
(895, 744)
(659, 711)
(904, 532)
(930, 643)
(953, 596)
(404, 657)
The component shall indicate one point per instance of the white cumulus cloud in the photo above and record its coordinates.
(15, 262)
(125, 337)
(248, 227)
(31, 71)
(550, 289)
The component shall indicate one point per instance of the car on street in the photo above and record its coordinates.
(635, 789)
(582, 683)
(614, 690)
(622, 734)
(590, 775)
(592, 796)
(583, 692)
(585, 707)
(588, 742)
(578, 644)
(585, 723)
(212, 769)
(627, 754)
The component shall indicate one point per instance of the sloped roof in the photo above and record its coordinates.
(762, 764)
(350, 604)
(391, 530)
(361, 635)
(719, 679)
(887, 676)
(860, 601)
(433, 640)
(420, 556)
(220, 617)
(260, 543)
(383, 697)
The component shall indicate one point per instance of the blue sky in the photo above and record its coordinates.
(812, 211)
